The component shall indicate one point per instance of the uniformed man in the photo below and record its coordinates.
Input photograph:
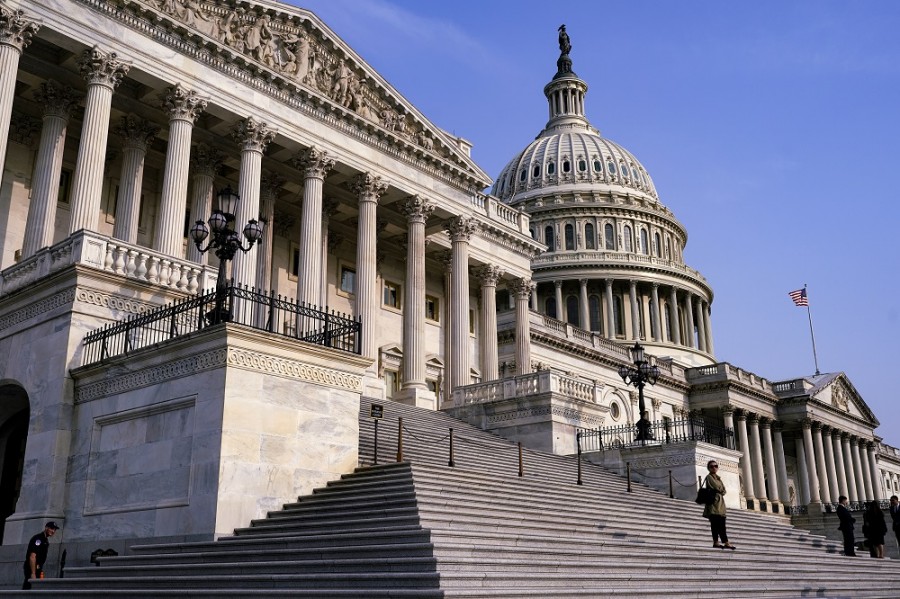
(36, 554)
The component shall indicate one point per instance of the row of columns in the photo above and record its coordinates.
(830, 463)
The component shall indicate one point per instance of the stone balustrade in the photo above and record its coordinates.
(555, 259)
(500, 213)
(85, 248)
(527, 385)
(724, 370)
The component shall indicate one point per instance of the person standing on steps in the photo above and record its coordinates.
(36, 554)
(874, 527)
(846, 525)
(715, 511)
(895, 516)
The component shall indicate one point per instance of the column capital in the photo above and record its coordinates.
(817, 426)
(754, 419)
(765, 423)
(461, 228)
(728, 409)
(558, 284)
(583, 282)
(488, 275)
(269, 186)
(870, 445)
(806, 423)
(16, 29)
(314, 163)
(206, 160)
(136, 132)
(416, 209)
(777, 426)
(181, 103)
(23, 129)
(521, 288)
(102, 68)
(369, 187)
(742, 415)
(655, 285)
(446, 258)
(252, 135)
(656, 403)
(56, 99)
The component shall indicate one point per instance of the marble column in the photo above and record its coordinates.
(840, 468)
(728, 416)
(488, 275)
(183, 106)
(673, 316)
(858, 470)
(521, 289)
(802, 472)
(655, 314)
(205, 165)
(709, 335)
(877, 484)
(533, 300)
(329, 243)
(689, 312)
(766, 433)
(701, 324)
(460, 229)
(746, 470)
(780, 463)
(315, 164)
(137, 135)
(813, 474)
(610, 311)
(560, 307)
(253, 137)
(413, 386)
(446, 259)
(16, 31)
(852, 490)
(585, 315)
(829, 464)
(103, 72)
(57, 102)
(821, 471)
(270, 188)
(368, 189)
(635, 317)
(866, 470)
(756, 453)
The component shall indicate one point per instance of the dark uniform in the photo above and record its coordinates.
(38, 545)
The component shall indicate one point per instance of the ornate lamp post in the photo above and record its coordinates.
(641, 373)
(226, 242)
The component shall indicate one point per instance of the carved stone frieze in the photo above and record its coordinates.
(28, 312)
(117, 303)
(181, 103)
(294, 369)
(840, 396)
(16, 29)
(102, 68)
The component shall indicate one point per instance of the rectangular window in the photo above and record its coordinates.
(432, 307)
(348, 279)
(392, 294)
(295, 262)
(65, 183)
(391, 383)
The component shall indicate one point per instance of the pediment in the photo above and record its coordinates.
(841, 395)
(291, 47)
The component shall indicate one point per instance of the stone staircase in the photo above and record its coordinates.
(420, 528)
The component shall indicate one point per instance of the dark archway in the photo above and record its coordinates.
(14, 417)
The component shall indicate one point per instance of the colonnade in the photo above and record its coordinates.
(830, 462)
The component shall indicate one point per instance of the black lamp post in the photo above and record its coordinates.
(226, 242)
(642, 372)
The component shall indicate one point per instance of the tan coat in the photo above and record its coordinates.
(717, 507)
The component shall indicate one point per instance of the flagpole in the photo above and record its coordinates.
(811, 333)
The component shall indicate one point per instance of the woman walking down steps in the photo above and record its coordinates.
(715, 511)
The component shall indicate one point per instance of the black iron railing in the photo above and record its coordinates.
(657, 433)
(267, 312)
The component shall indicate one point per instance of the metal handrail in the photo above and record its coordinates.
(661, 432)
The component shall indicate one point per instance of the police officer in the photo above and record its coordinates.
(36, 554)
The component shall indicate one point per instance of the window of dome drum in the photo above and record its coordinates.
(548, 238)
(570, 237)
(598, 166)
(612, 168)
(551, 168)
(523, 175)
(589, 236)
(567, 166)
(537, 171)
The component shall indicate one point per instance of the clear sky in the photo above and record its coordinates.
(770, 128)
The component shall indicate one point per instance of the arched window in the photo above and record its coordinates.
(548, 238)
(594, 313)
(551, 168)
(590, 242)
(612, 167)
(567, 166)
(598, 166)
(572, 314)
(550, 307)
(644, 246)
(619, 315)
(656, 246)
(523, 175)
(570, 237)
(668, 249)
(609, 235)
(668, 322)
(536, 171)
(626, 233)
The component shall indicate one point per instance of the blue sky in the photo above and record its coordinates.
(770, 129)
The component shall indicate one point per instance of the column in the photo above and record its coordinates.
(522, 288)
(709, 335)
(655, 314)
(16, 32)
(701, 324)
(852, 489)
(728, 416)
(812, 474)
(534, 300)
(673, 317)
(488, 275)
(583, 304)
(766, 434)
(103, 73)
(329, 244)
(57, 102)
(858, 470)
(821, 470)
(759, 478)
(877, 484)
(460, 229)
(137, 135)
(315, 164)
(368, 189)
(802, 472)
(829, 464)
(417, 211)
(689, 311)
(745, 458)
(270, 187)
(780, 463)
(635, 317)
(560, 308)
(183, 107)
(610, 311)
(253, 138)
(840, 468)
(205, 165)
(446, 259)
(866, 470)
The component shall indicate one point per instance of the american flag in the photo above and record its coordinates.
(799, 297)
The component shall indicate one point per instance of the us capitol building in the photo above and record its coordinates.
(142, 398)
